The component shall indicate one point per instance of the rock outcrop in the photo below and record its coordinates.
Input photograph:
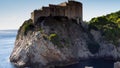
(106, 32)
(50, 42)
(107, 50)
(59, 41)
(117, 64)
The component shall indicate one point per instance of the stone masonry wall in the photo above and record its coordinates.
(72, 9)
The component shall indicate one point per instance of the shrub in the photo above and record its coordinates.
(112, 35)
(109, 25)
(54, 38)
(28, 25)
(41, 30)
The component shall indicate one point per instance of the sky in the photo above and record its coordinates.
(14, 12)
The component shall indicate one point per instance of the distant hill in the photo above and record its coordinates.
(109, 25)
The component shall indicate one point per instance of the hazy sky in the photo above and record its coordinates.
(14, 12)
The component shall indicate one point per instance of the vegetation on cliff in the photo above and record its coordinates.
(109, 25)
(26, 26)
(50, 41)
(56, 24)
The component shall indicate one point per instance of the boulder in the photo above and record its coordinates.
(117, 64)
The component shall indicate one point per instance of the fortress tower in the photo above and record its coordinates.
(72, 9)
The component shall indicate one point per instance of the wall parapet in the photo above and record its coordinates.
(71, 9)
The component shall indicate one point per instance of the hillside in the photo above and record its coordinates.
(109, 26)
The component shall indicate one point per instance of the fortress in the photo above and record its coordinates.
(71, 9)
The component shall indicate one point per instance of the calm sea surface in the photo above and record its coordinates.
(7, 39)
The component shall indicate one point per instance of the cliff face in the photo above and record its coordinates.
(50, 41)
(57, 41)
(107, 49)
(106, 32)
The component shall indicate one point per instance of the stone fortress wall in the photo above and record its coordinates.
(71, 9)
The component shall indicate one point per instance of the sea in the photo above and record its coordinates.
(7, 39)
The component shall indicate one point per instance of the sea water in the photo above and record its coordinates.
(7, 39)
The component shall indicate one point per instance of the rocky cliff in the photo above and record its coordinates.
(107, 49)
(59, 41)
(51, 41)
(106, 32)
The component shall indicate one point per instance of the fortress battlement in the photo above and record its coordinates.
(70, 9)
